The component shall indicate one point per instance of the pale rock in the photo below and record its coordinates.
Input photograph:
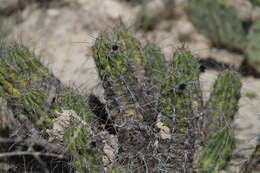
(165, 132)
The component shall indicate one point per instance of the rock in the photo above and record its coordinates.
(7, 3)
(60, 124)
(256, 13)
(221, 55)
(56, 35)
(165, 132)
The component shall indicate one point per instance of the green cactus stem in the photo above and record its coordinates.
(181, 85)
(255, 2)
(221, 108)
(180, 94)
(79, 138)
(155, 68)
(69, 99)
(25, 83)
(216, 151)
(87, 156)
(220, 23)
(119, 60)
(223, 102)
(253, 52)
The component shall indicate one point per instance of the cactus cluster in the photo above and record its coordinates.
(173, 96)
(220, 23)
(155, 108)
(223, 27)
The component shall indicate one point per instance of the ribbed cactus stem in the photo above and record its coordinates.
(216, 151)
(69, 99)
(178, 89)
(255, 2)
(223, 102)
(155, 68)
(221, 107)
(253, 49)
(79, 138)
(34, 102)
(117, 58)
(87, 157)
(25, 83)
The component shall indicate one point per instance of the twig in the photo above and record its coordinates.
(41, 142)
(35, 154)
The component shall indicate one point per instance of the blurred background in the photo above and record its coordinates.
(221, 34)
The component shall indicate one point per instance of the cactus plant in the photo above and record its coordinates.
(155, 66)
(223, 27)
(87, 158)
(180, 105)
(153, 12)
(113, 62)
(220, 23)
(255, 2)
(253, 52)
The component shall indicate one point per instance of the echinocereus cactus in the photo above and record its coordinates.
(255, 2)
(222, 25)
(179, 107)
(218, 22)
(252, 51)
(119, 61)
